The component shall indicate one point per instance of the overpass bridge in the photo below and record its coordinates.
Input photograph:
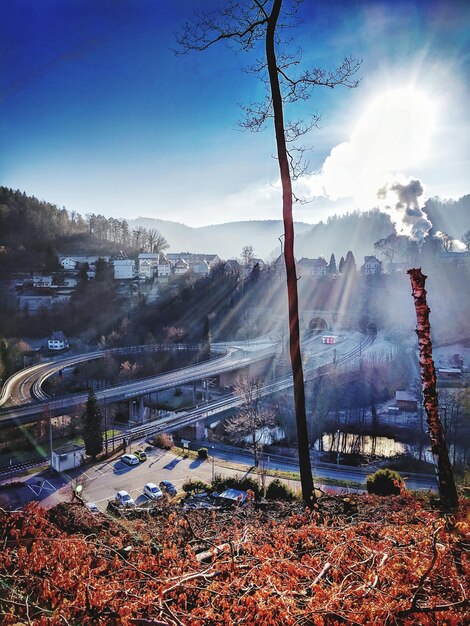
(206, 413)
(245, 355)
(24, 410)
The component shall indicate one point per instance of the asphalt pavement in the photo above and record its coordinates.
(102, 480)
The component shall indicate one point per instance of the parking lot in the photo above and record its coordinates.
(101, 482)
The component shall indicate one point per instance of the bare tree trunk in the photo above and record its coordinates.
(447, 488)
(294, 332)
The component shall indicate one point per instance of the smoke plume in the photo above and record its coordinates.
(400, 202)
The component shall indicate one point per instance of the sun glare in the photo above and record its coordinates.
(397, 128)
(392, 137)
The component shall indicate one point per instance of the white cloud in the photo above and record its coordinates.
(393, 134)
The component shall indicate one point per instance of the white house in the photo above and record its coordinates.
(75, 261)
(371, 265)
(67, 458)
(68, 263)
(180, 267)
(312, 267)
(124, 269)
(200, 268)
(57, 341)
(148, 264)
(192, 257)
(163, 268)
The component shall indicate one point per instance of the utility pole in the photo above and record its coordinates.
(105, 423)
(50, 439)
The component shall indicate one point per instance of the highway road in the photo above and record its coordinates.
(24, 400)
(21, 413)
(103, 480)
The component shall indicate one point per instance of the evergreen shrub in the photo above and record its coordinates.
(385, 482)
(277, 490)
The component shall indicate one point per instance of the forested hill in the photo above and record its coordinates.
(226, 240)
(356, 231)
(33, 233)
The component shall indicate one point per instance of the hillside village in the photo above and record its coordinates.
(149, 273)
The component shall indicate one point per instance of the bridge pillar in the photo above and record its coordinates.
(194, 393)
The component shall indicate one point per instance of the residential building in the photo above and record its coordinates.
(312, 267)
(148, 264)
(232, 266)
(200, 268)
(163, 269)
(180, 267)
(248, 268)
(371, 266)
(73, 262)
(68, 263)
(405, 401)
(57, 341)
(124, 269)
(192, 257)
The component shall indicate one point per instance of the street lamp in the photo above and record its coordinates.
(213, 464)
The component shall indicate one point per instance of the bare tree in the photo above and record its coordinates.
(389, 246)
(155, 241)
(138, 235)
(243, 25)
(253, 418)
(247, 254)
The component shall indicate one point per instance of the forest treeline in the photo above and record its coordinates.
(32, 232)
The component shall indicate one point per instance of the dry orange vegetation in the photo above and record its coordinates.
(360, 560)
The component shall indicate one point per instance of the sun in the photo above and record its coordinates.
(396, 129)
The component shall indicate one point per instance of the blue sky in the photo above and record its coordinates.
(99, 115)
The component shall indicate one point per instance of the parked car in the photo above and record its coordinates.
(168, 487)
(91, 506)
(140, 454)
(122, 497)
(152, 491)
(130, 459)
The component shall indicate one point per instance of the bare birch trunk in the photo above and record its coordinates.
(447, 488)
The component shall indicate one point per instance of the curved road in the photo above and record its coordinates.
(23, 410)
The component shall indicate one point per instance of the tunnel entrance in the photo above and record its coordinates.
(317, 325)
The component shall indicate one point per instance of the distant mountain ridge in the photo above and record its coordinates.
(225, 240)
(357, 232)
